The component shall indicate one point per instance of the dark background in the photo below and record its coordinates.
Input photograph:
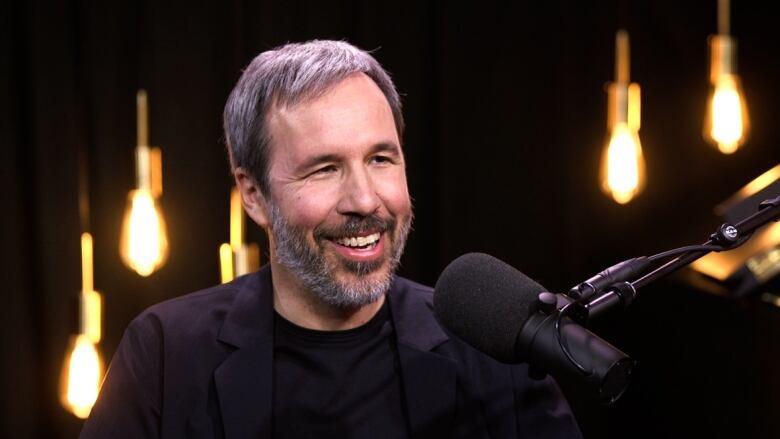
(505, 108)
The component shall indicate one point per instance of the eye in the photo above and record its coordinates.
(325, 170)
(381, 159)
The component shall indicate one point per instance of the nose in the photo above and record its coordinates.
(359, 195)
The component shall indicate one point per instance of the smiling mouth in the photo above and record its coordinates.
(359, 242)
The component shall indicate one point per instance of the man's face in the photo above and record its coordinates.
(339, 205)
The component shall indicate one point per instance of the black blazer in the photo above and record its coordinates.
(200, 366)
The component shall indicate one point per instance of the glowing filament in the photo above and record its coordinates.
(84, 372)
(623, 165)
(726, 111)
(144, 246)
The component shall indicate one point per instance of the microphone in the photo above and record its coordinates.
(501, 312)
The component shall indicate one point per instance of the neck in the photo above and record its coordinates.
(299, 305)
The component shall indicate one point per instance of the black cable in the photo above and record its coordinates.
(700, 248)
(561, 314)
(686, 249)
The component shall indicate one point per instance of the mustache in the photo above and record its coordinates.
(353, 226)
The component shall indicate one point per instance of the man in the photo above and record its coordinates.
(324, 341)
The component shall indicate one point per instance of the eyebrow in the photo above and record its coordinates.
(386, 147)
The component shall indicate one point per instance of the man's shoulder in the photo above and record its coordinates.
(198, 302)
(195, 312)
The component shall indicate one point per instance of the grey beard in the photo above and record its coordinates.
(310, 266)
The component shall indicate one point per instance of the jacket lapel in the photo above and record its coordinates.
(429, 379)
(244, 380)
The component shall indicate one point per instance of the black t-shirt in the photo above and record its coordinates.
(337, 384)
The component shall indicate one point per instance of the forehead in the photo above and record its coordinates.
(351, 115)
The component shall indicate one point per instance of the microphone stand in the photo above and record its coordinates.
(598, 365)
(554, 338)
(728, 236)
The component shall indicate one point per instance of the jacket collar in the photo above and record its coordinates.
(244, 380)
(250, 319)
(413, 318)
(429, 379)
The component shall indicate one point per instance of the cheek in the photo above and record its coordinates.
(395, 195)
(308, 206)
(308, 211)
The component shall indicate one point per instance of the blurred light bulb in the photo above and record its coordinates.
(82, 375)
(727, 115)
(226, 263)
(622, 172)
(726, 124)
(144, 242)
(237, 257)
(623, 166)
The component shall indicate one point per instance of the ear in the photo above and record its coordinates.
(252, 198)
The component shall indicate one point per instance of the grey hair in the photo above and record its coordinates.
(285, 76)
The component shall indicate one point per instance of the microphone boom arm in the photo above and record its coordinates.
(727, 237)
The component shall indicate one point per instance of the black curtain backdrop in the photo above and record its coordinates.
(505, 108)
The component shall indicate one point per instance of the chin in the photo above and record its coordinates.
(362, 272)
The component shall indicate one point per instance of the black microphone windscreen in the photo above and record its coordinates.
(485, 302)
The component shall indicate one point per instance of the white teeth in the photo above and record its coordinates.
(359, 241)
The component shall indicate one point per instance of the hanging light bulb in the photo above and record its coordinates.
(727, 123)
(144, 244)
(82, 374)
(237, 258)
(144, 241)
(82, 371)
(622, 172)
